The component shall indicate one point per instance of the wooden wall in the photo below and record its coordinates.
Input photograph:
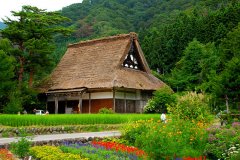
(96, 104)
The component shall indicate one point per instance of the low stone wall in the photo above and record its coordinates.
(28, 131)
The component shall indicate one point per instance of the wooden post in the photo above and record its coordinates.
(47, 103)
(89, 103)
(65, 106)
(125, 102)
(80, 103)
(56, 104)
(114, 103)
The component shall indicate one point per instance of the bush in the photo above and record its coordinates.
(161, 99)
(52, 153)
(192, 106)
(21, 148)
(105, 110)
(160, 140)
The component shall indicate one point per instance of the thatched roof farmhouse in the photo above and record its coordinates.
(111, 72)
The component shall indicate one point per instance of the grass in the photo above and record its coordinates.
(71, 119)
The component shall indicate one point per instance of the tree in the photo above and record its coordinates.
(228, 80)
(32, 33)
(186, 74)
(7, 68)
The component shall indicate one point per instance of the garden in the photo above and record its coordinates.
(190, 133)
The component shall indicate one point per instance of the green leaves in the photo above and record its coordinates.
(33, 33)
(161, 99)
(7, 69)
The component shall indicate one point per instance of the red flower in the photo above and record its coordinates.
(120, 147)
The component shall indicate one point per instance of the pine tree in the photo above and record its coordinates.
(7, 68)
(32, 33)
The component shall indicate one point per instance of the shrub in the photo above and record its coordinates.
(106, 111)
(160, 140)
(161, 99)
(52, 153)
(192, 106)
(21, 148)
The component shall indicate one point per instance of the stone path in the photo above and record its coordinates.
(63, 136)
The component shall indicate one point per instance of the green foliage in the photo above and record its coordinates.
(52, 152)
(15, 104)
(177, 138)
(21, 148)
(169, 34)
(53, 120)
(105, 110)
(197, 63)
(192, 106)
(161, 99)
(7, 69)
(32, 33)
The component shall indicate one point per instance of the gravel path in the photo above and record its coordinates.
(63, 136)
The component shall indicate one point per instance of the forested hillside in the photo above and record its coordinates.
(192, 45)
(98, 18)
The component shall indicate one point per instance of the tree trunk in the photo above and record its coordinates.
(227, 106)
(21, 71)
(31, 74)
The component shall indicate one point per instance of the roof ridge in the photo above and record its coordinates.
(131, 35)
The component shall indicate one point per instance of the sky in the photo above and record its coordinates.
(6, 6)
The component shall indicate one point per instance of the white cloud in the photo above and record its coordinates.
(6, 6)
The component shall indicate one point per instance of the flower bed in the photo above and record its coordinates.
(119, 147)
(51, 152)
(177, 138)
(96, 150)
(5, 155)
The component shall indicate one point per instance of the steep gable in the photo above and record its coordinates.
(115, 61)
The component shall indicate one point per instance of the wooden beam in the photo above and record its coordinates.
(56, 104)
(114, 100)
(80, 103)
(125, 103)
(65, 106)
(90, 103)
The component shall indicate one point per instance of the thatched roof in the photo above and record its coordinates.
(98, 64)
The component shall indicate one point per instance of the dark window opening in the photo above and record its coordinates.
(132, 60)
